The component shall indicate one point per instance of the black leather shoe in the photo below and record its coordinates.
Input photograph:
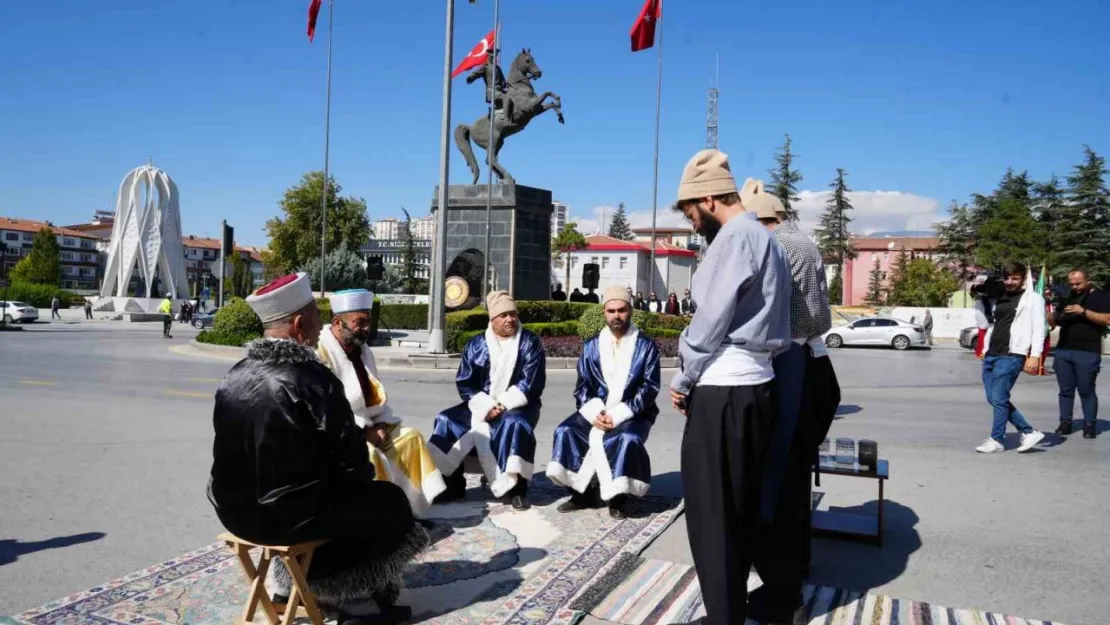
(520, 502)
(1089, 430)
(1064, 429)
(618, 507)
(572, 505)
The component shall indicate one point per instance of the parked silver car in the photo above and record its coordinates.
(18, 311)
(877, 331)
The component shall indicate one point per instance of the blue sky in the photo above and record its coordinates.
(921, 102)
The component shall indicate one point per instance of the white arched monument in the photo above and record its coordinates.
(146, 236)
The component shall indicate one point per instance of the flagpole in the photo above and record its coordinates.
(655, 167)
(327, 146)
(437, 312)
(491, 85)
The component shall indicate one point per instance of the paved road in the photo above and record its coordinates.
(105, 442)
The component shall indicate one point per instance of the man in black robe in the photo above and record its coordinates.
(290, 466)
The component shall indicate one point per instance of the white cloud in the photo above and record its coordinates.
(872, 211)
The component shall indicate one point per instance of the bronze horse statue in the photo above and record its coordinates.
(515, 104)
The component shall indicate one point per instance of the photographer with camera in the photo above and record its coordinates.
(1082, 315)
(1014, 342)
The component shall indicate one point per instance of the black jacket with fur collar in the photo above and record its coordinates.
(289, 463)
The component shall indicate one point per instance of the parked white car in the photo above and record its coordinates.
(12, 312)
(877, 331)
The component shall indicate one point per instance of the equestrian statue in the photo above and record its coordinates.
(515, 103)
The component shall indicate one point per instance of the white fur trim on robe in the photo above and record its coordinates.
(339, 363)
(615, 372)
(502, 361)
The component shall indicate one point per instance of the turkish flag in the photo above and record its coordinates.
(478, 55)
(643, 31)
(313, 11)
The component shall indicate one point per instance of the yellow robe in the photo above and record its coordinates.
(404, 459)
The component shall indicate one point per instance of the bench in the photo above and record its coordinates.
(848, 525)
(297, 559)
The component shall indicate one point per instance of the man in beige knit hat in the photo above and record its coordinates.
(500, 380)
(599, 451)
(724, 386)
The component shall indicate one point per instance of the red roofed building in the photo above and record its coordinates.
(626, 263)
(79, 255)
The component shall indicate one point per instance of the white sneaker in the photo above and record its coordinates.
(1028, 441)
(990, 446)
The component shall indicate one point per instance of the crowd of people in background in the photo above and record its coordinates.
(673, 306)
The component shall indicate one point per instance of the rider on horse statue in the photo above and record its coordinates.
(497, 90)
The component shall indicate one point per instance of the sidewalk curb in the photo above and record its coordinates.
(447, 362)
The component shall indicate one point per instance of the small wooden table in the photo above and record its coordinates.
(849, 525)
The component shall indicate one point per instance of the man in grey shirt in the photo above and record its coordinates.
(725, 379)
(803, 403)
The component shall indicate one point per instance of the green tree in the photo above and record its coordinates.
(1010, 234)
(924, 284)
(44, 264)
(785, 179)
(569, 240)
(1049, 205)
(1081, 237)
(343, 269)
(957, 240)
(875, 286)
(836, 289)
(239, 281)
(295, 239)
(833, 237)
(619, 228)
(900, 272)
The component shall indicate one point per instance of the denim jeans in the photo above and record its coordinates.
(1000, 373)
(1077, 370)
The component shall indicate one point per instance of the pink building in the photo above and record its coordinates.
(857, 273)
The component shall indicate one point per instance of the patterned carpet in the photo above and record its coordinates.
(636, 591)
(489, 565)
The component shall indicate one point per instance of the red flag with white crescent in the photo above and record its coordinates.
(478, 55)
(313, 12)
(643, 31)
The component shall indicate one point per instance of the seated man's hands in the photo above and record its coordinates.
(603, 422)
(495, 412)
(375, 435)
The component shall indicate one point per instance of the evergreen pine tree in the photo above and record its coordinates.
(833, 238)
(1081, 237)
(875, 286)
(785, 179)
(408, 257)
(1049, 204)
(1010, 234)
(898, 294)
(619, 228)
(956, 239)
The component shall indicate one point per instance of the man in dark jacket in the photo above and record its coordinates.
(289, 465)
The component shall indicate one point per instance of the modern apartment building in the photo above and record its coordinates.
(81, 269)
(559, 218)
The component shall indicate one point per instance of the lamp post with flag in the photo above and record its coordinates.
(491, 79)
(437, 311)
(313, 13)
(643, 37)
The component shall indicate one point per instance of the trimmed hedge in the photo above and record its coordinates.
(237, 318)
(461, 325)
(39, 295)
(404, 316)
(231, 339)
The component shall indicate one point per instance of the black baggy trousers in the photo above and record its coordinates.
(723, 448)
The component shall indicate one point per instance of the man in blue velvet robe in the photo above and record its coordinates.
(500, 380)
(599, 450)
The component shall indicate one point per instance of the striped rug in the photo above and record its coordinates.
(657, 592)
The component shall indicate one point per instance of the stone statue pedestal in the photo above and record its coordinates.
(520, 237)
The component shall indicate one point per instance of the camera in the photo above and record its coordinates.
(990, 287)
